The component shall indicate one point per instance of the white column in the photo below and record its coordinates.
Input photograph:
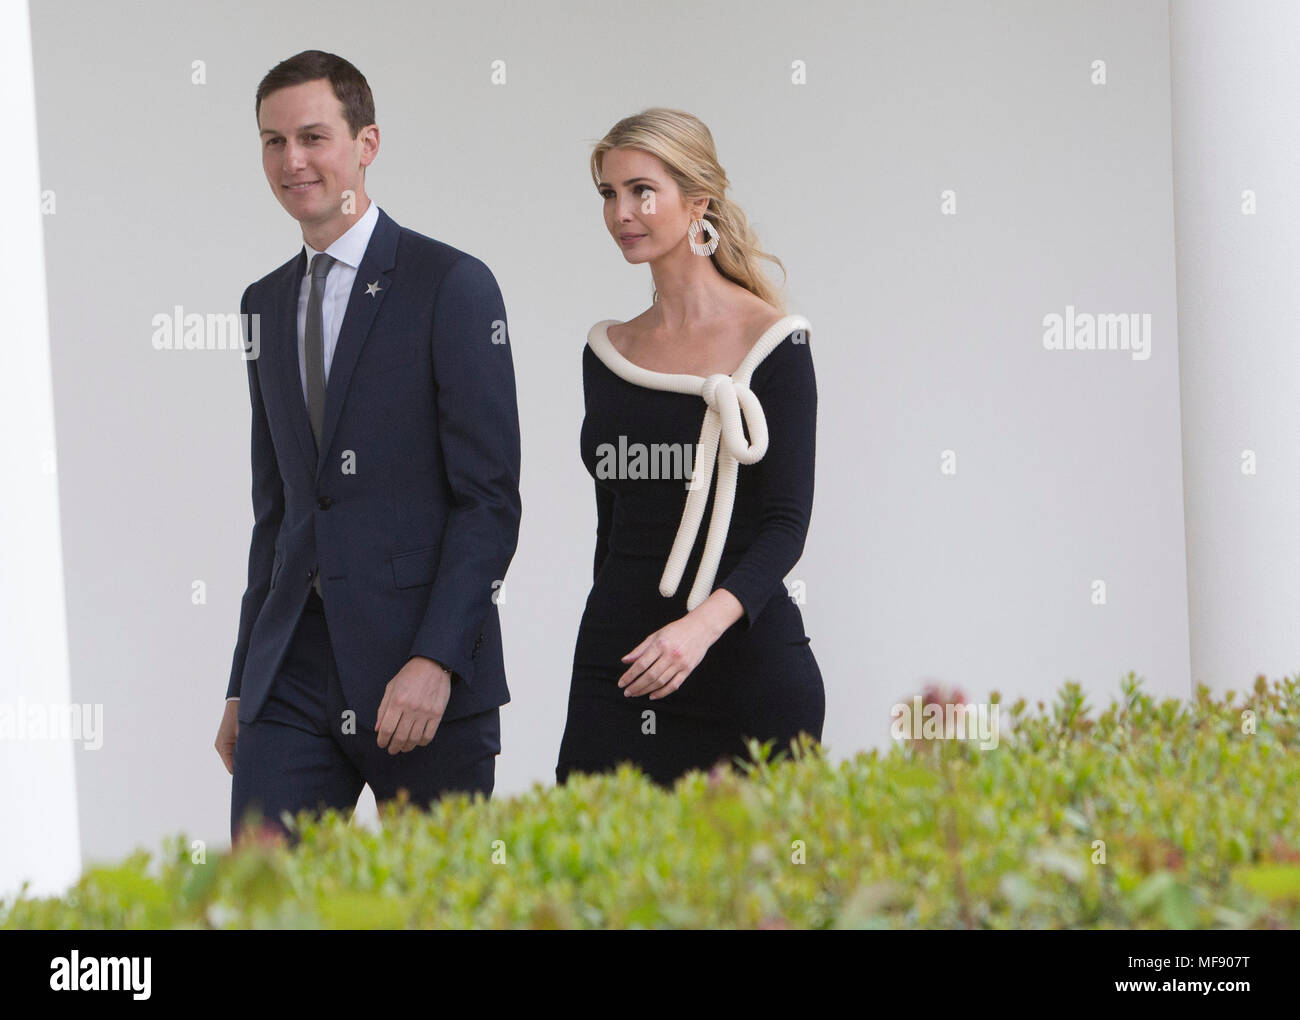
(38, 800)
(1236, 129)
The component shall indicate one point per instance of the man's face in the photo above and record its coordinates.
(310, 156)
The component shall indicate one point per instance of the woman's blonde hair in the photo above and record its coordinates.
(684, 145)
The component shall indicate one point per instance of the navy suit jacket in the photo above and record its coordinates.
(411, 510)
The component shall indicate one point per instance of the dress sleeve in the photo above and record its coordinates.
(604, 494)
(788, 395)
(604, 511)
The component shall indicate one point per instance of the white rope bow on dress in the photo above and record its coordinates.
(731, 403)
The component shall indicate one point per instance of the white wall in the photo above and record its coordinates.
(38, 795)
(1236, 79)
(927, 330)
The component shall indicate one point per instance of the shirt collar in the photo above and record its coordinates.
(350, 248)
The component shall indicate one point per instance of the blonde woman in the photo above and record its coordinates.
(689, 643)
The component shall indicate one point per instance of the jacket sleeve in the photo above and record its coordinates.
(478, 432)
(785, 477)
(268, 512)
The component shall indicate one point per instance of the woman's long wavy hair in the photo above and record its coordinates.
(684, 145)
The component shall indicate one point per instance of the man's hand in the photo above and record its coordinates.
(226, 734)
(413, 704)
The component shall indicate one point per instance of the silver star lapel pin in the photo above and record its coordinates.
(373, 288)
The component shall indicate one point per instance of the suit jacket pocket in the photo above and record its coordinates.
(412, 569)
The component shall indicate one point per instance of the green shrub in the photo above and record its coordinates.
(1196, 808)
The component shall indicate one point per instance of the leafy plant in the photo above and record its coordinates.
(1173, 814)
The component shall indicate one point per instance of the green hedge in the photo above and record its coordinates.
(1199, 816)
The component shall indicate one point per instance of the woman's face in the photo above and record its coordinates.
(644, 210)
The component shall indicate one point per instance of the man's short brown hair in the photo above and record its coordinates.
(349, 84)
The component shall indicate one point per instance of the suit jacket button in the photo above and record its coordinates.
(325, 502)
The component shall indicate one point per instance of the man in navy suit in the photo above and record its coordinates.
(385, 464)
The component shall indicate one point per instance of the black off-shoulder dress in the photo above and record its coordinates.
(760, 678)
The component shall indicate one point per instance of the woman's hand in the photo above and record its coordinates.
(662, 662)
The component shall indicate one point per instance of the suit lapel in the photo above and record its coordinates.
(362, 307)
(368, 291)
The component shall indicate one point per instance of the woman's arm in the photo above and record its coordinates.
(604, 513)
(788, 394)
